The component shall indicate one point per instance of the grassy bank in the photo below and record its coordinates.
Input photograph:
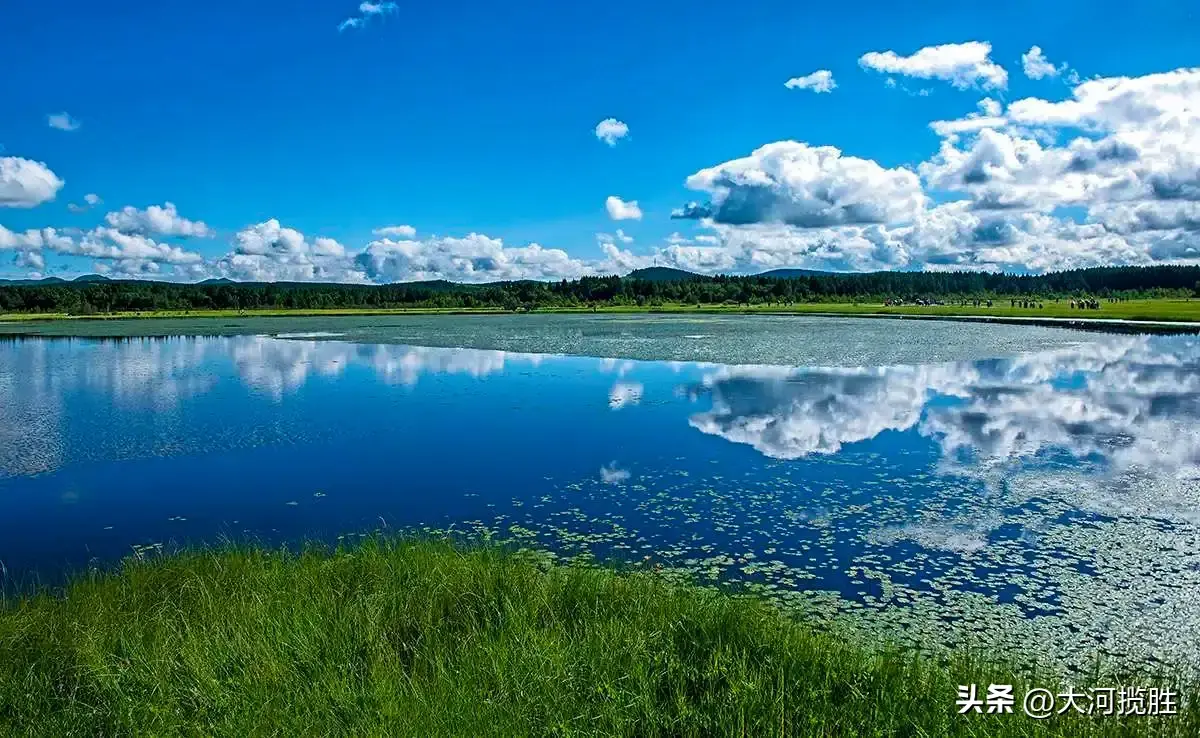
(1169, 310)
(418, 638)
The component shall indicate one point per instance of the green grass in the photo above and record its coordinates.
(419, 638)
(1133, 310)
(266, 313)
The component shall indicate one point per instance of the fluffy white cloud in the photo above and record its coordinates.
(269, 237)
(475, 258)
(396, 231)
(609, 238)
(1000, 170)
(122, 253)
(257, 268)
(1036, 65)
(271, 252)
(619, 209)
(735, 249)
(25, 183)
(989, 115)
(63, 122)
(11, 240)
(34, 240)
(155, 220)
(962, 65)
(819, 81)
(113, 244)
(367, 10)
(479, 258)
(328, 247)
(1119, 146)
(805, 186)
(1160, 215)
(90, 200)
(955, 235)
(1119, 103)
(611, 130)
(31, 260)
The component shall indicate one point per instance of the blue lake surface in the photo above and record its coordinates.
(998, 489)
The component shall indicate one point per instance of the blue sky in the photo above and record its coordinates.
(264, 119)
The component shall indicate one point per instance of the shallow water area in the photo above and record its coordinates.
(729, 339)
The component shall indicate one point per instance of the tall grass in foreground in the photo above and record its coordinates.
(420, 638)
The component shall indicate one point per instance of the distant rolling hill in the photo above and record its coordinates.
(793, 273)
(45, 282)
(662, 274)
(49, 281)
(669, 274)
(440, 285)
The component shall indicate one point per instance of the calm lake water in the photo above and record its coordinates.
(953, 484)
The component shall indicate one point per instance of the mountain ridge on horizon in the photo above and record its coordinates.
(650, 274)
(647, 274)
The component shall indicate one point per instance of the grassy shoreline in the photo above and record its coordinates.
(1134, 311)
(418, 637)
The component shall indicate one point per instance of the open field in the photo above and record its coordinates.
(1132, 310)
(160, 314)
(407, 637)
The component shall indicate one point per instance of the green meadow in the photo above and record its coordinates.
(1162, 309)
(420, 637)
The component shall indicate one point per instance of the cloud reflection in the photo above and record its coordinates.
(280, 366)
(148, 380)
(1124, 411)
(39, 378)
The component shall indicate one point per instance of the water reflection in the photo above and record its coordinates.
(1124, 409)
(1123, 413)
(113, 382)
(278, 367)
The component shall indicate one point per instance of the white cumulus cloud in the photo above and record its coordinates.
(474, 258)
(619, 209)
(163, 220)
(113, 244)
(611, 130)
(805, 186)
(819, 81)
(962, 65)
(1036, 65)
(367, 10)
(63, 122)
(396, 231)
(25, 183)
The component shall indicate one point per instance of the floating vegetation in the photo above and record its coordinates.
(841, 550)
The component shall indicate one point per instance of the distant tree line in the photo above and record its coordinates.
(136, 295)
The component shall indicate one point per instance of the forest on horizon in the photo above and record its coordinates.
(647, 288)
